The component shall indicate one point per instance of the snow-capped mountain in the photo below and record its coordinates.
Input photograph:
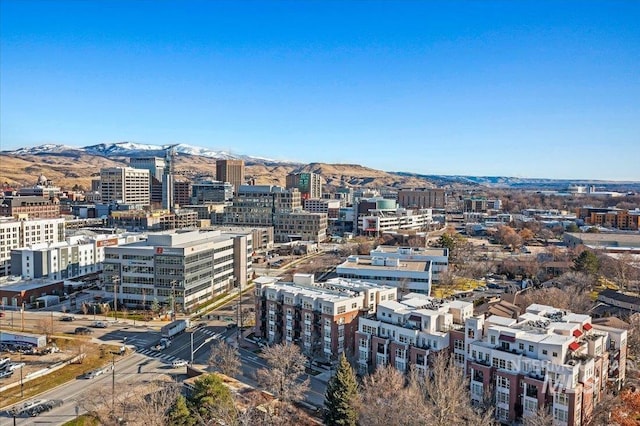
(132, 149)
(48, 148)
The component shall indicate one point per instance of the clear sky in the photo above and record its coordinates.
(517, 88)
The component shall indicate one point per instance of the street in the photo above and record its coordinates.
(134, 368)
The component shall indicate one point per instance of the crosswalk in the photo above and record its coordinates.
(169, 358)
(155, 354)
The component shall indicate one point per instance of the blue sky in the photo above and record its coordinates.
(516, 88)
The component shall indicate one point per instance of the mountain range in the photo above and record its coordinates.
(69, 166)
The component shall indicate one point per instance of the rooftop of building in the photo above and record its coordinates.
(620, 297)
(28, 284)
(607, 237)
(370, 262)
(409, 251)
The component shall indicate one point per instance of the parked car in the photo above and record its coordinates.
(67, 318)
(99, 324)
(179, 363)
(83, 330)
(15, 366)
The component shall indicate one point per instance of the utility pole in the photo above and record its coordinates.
(239, 316)
(113, 385)
(192, 331)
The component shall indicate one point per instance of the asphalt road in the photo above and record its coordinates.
(135, 367)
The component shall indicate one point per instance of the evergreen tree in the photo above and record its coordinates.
(587, 262)
(180, 414)
(211, 399)
(341, 397)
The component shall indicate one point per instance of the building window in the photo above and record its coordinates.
(560, 415)
(530, 348)
(502, 382)
(544, 352)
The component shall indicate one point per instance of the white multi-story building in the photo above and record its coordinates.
(546, 358)
(439, 257)
(377, 222)
(15, 233)
(77, 256)
(406, 332)
(125, 185)
(320, 317)
(404, 274)
(184, 268)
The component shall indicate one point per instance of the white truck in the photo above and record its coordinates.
(35, 340)
(174, 328)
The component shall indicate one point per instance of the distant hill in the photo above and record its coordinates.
(69, 166)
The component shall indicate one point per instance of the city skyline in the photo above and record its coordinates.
(458, 88)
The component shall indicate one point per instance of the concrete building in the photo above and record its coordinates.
(480, 204)
(16, 233)
(43, 188)
(159, 220)
(17, 293)
(329, 207)
(211, 191)
(181, 268)
(606, 241)
(125, 185)
(309, 184)
(439, 257)
(231, 171)
(407, 275)
(424, 198)
(379, 221)
(181, 192)
(545, 358)
(320, 317)
(34, 207)
(625, 220)
(273, 206)
(76, 256)
(404, 333)
(155, 165)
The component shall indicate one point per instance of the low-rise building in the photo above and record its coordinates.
(439, 257)
(406, 275)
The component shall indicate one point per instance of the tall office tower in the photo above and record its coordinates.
(155, 165)
(231, 171)
(309, 184)
(125, 185)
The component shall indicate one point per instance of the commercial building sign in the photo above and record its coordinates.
(107, 243)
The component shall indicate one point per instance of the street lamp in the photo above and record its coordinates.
(207, 340)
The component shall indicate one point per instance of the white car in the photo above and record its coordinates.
(179, 363)
(15, 365)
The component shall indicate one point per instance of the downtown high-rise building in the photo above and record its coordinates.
(231, 171)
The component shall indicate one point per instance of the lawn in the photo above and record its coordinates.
(94, 358)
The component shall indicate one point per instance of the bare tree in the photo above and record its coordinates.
(385, 400)
(224, 358)
(283, 377)
(444, 395)
(542, 417)
(107, 407)
(569, 298)
(153, 402)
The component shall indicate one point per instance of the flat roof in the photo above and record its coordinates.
(26, 285)
(404, 265)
